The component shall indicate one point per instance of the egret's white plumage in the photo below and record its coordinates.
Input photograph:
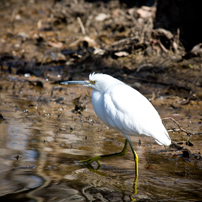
(123, 108)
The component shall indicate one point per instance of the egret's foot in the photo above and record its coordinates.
(96, 158)
(91, 160)
(134, 189)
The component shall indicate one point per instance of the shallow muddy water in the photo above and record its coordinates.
(43, 138)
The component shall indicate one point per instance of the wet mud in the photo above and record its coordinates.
(46, 129)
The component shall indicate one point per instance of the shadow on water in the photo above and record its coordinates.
(44, 136)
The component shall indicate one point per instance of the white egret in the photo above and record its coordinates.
(123, 108)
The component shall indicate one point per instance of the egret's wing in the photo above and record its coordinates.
(98, 105)
(131, 113)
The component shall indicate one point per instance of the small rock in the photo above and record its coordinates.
(102, 16)
(2, 118)
(121, 54)
(151, 167)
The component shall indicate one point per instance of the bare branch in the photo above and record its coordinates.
(179, 127)
(81, 25)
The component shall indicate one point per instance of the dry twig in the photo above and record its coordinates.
(81, 25)
(179, 127)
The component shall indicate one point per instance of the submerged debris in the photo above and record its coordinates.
(79, 106)
(186, 153)
(188, 143)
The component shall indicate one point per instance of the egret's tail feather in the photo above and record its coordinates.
(164, 139)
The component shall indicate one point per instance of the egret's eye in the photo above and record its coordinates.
(93, 82)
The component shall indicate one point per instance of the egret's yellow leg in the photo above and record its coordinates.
(136, 170)
(135, 158)
(96, 158)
